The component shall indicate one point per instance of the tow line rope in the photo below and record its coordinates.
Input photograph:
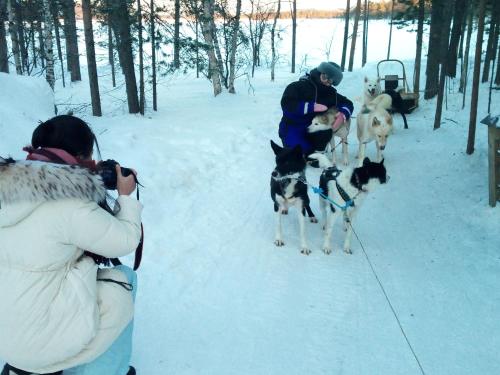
(388, 301)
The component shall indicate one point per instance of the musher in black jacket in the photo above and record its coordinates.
(304, 99)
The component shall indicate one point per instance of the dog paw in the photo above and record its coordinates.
(313, 220)
(279, 242)
(305, 251)
(348, 251)
(327, 250)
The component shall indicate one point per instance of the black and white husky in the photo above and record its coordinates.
(289, 188)
(345, 190)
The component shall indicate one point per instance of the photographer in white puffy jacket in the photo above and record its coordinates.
(60, 313)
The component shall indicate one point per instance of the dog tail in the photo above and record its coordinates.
(323, 161)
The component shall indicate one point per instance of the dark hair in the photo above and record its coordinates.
(66, 132)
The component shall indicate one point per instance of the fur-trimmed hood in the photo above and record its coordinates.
(24, 185)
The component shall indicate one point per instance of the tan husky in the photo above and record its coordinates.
(374, 124)
(322, 124)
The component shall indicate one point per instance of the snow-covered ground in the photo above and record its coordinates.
(217, 297)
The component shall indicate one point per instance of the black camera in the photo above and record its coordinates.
(107, 171)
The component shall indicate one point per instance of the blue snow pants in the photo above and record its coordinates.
(116, 360)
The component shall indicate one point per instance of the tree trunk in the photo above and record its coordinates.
(49, 52)
(20, 34)
(497, 76)
(444, 45)
(197, 21)
(177, 24)
(120, 22)
(41, 43)
(223, 74)
(354, 34)
(4, 54)
(90, 52)
(55, 18)
(73, 56)
(346, 34)
(252, 35)
(390, 32)
(153, 54)
(273, 46)
(456, 32)
(365, 33)
(142, 99)
(433, 57)
(465, 66)
(31, 37)
(234, 46)
(111, 54)
(206, 29)
(418, 54)
(491, 46)
(13, 37)
(294, 33)
(475, 79)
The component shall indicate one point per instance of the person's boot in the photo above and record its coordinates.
(11, 370)
(131, 370)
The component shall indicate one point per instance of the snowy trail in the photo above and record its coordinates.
(217, 297)
(263, 309)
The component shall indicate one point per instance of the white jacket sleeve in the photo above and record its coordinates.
(92, 228)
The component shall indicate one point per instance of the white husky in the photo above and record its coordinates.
(371, 90)
(347, 189)
(322, 124)
(374, 123)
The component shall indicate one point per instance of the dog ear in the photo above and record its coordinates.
(375, 122)
(382, 162)
(366, 161)
(366, 79)
(388, 119)
(277, 149)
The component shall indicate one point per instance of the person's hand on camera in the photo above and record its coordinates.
(125, 185)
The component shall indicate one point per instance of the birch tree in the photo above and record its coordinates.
(206, 28)
(234, 46)
(49, 55)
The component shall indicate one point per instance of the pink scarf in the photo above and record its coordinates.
(56, 155)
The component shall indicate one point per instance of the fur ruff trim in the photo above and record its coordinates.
(35, 181)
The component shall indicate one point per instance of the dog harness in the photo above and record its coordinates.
(331, 174)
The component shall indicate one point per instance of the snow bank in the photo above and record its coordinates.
(24, 102)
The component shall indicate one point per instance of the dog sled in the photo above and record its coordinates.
(392, 83)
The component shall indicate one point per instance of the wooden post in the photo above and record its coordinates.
(493, 158)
